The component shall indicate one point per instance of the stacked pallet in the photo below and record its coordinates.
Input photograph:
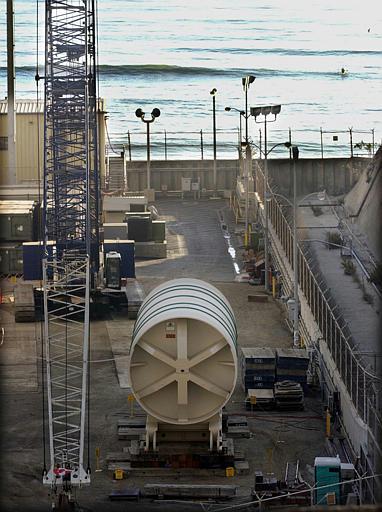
(132, 428)
(289, 395)
(259, 399)
(258, 368)
(237, 426)
(292, 364)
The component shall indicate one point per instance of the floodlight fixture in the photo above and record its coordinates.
(266, 110)
(247, 80)
(255, 111)
(275, 109)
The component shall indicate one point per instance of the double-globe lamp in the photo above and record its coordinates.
(154, 114)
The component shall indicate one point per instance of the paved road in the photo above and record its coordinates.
(197, 249)
(195, 245)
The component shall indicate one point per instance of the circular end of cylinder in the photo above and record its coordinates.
(183, 364)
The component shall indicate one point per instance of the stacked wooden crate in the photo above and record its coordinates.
(258, 368)
(292, 364)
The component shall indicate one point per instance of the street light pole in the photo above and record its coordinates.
(255, 112)
(213, 93)
(248, 162)
(242, 114)
(296, 336)
(266, 256)
(247, 81)
(240, 131)
(154, 114)
(148, 159)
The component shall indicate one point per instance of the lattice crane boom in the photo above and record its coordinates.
(71, 230)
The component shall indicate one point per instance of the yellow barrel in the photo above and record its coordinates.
(230, 471)
(118, 474)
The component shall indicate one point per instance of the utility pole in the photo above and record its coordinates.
(11, 116)
(296, 336)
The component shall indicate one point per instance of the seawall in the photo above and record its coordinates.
(335, 175)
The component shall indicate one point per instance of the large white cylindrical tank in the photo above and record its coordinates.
(183, 364)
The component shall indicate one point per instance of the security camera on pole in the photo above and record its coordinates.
(154, 114)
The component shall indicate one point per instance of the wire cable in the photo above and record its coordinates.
(39, 234)
(295, 493)
(110, 144)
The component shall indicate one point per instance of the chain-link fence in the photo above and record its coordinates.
(313, 143)
(362, 386)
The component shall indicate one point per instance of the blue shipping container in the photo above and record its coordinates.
(32, 260)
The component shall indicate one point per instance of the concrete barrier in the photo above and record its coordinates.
(336, 175)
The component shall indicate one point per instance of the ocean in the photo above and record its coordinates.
(169, 54)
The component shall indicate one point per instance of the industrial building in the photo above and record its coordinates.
(29, 146)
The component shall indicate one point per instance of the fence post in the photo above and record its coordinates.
(322, 144)
(124, 169)
(129, 144)
(351, 142)
(165, 145)
(201, 143)
(364, 397)
(290, 142)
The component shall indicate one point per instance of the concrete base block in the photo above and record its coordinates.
(242, 467)
(111, 217)
(151, 250)
(150, 194)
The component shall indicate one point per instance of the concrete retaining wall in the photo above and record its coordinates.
(168, 174)
(335, 175)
